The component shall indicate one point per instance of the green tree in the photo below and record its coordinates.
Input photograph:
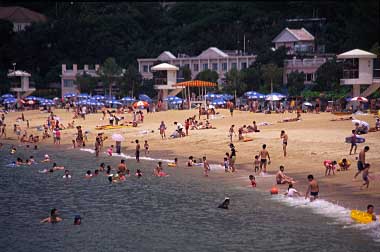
(208, 75)
(185, 73)
(251, 78)
(110, 72)
(234, 82)
(131, 80)
(86, 83)
(296, 83)
(328, 76)
(272, 76)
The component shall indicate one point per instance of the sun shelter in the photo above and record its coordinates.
(202, 86)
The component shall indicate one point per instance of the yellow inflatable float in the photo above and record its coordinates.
(172, 164)
(361, 217)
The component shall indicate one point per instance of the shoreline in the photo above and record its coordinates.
(332, 188)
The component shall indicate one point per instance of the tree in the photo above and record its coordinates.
(272, 76)
(328, 76)
(131, 80)
(86, 83)
(251, 78)
(234, 82)
(109, 73)
(207, 75)
(185, 73)
(296, 83)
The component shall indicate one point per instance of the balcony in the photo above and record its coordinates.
(298, 63)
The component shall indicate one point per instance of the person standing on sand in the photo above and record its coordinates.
(231, 132)
(264, 155)
(137, 150)
(361, 162)
(3, 131)
(313, 188)
(284, 138)
(206, 166)
(97, 145)
(232, 109)
(353, 142)
(162, 129)
(232, 157)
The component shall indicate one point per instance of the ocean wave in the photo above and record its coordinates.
(340, 214)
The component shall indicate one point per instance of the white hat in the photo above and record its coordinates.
(46, 156)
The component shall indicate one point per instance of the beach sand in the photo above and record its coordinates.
(311, 141)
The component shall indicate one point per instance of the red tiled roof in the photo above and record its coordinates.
(301, 34)
(20, 15)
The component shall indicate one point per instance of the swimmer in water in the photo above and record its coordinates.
(370, 211)
(108, 172)
(101, 167)
(13, 150)
(110, 150)
(77, 220)
(53, 218)
(253, 180)
(19, 161)
(225, 203)
(67, 175)
(88, 174)
(138, 173)
(31, 159)
(96, 172)
(190, 161)
(46, 158)
(292, 191)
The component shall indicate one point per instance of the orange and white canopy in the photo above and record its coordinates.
(195, 83)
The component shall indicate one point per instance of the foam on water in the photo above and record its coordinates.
(340, 214)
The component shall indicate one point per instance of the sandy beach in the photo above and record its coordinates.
(311, 141)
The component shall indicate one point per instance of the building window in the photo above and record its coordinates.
(234, 65)
(68, 83)
(224, 66)
(243, 65)
(215, 66)
(351, 69)
(376, 68)
(145, 68)
(196, 67)
(205, 66)
(187, 65)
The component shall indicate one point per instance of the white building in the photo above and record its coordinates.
(295, 40)
(20, 17)
(360, 68)
(23, 89)
(212, 58)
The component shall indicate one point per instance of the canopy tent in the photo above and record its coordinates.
(202, 85)
(4, 96)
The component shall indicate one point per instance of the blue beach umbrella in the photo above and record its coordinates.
(218, 102)
(226, 97)
(4, 96)
(172, 98)
(10, 100)
(144, 97)
(113, 102)
(254, 95)
(98, 97)
(127, 99)
(276, 94)
(69, 95)
(210, 96)
(84, 96)
(32, 98)
(176, 101)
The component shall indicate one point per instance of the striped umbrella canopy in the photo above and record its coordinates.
(10, 100)
(218, 102)
(127, 99)
(359, 99)
(140, 104)
(195, 83)
(69, 95)
(4, 96)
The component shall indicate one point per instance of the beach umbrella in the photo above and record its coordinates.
(254, 95)
(30, 102)
(4, 96)
(140, 104)
(218, 102)
(10, 100)
(144, 97)
(117, 137)
(176, 101)
(359, 99)
(113, 102)
(172, 98)
(127, 99)
(210, 96)
(276, 94)
(307, 104)
(98, 97)
(69, 95)
(32, 98)
(226, 97)
(84, 96)
(273, 98)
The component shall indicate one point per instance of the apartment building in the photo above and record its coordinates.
(212, 58)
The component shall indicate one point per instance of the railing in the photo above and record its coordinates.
(304, 63)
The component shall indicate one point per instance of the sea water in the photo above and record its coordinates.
(174, 213)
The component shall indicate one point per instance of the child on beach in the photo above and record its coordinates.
(137, 150)
(110, 150)
(292, 191)
(190, 161)
(231, 132)
(253, 180)
(225, 164)
(256, 163)
(365, 177)
(206, 166)
(162, 129)
(146, 147)
(330, 166)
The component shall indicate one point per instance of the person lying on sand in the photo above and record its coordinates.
(342, 119)
(253, 128)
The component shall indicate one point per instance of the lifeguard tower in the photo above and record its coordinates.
(164, 78)
(360, 68)
(22, 89)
